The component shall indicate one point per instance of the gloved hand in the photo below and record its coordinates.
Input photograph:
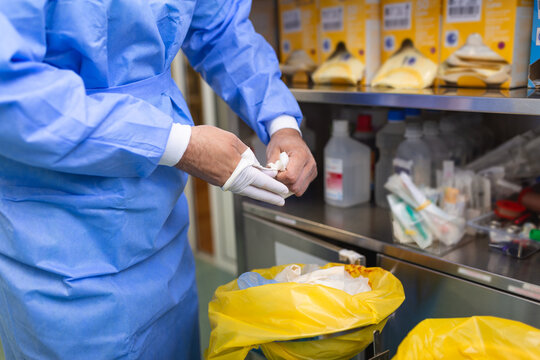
(250, 179)
(301, 169)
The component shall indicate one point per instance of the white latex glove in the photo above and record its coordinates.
(250, 179)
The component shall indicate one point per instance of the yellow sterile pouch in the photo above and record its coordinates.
(341, 68)
(406, 69)
(475, 60)
(273, 316)
(477, 337)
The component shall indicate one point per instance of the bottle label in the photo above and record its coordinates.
(401, 165)
(333, 169)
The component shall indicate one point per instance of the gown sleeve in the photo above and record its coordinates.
(47, 120)
(238, 63)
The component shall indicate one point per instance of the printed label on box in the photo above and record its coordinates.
(332, 18)
(292, 21)
(463, 10)
(397, 16)
(334, 178)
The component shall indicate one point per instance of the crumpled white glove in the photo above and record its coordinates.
(257, 182)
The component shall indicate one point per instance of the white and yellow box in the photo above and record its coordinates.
(356, 23)
(485, 43)
(298, 22)
(416, 20)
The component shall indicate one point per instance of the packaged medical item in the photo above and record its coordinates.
(356, 23)
(534, 62)
(341, 68)
(298, 21)
(347, 166)
(387, 140)
(485, 43)
(418, 22)
(406, 69)
(413, 156)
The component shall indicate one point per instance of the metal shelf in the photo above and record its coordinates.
(517, 101)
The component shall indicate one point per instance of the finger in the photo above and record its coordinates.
(262, 195)
(272, 154)
(294, 170)
(260, 180)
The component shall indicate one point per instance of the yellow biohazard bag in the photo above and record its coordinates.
(477, 337)
(270, 316)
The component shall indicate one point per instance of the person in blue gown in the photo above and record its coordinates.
(96, 143)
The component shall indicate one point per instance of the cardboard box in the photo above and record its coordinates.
(416, 20)
(298, 24)
(534, 63)
(357, 24)
(485, 43)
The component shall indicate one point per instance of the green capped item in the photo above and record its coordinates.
(535, 235)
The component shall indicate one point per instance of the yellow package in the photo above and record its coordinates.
(416, 20)
(477, 337)
(485, 43)
(408, 68)
(341, 68)
(269, 316)
(298, 22)
(356, 23)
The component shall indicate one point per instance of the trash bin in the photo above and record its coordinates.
(477, 337)
(300, 321)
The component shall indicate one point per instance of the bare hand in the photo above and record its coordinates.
(302, 169)
(212, 154)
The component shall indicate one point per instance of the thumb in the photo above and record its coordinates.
(272, 154)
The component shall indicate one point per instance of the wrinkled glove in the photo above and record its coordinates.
(252, 180)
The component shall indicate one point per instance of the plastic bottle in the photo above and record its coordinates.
(454, 143)
(364, 133)
(437, 147)
(346, 168)
(413, 115)
(413, 156)
(387, 141)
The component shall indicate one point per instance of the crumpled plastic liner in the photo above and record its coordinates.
(270, 316)
(477, 337)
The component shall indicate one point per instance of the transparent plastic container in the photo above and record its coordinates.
(437, 147)
(387, 141)
(364, 133)
(347, 166)
(506, 237)
(413, 156)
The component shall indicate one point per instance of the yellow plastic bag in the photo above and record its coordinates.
(477, 337)
(242, 320)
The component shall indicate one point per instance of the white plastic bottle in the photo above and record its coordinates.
(413, 156)
(455, 144)
(346, 168)
(437, 147)
(387, 140)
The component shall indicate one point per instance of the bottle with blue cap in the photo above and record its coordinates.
(387, 141)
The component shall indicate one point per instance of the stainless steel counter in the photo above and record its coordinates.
(369, 227)
(517, 101)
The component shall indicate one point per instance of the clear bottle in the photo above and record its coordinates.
(413, 115)
(346, 168)
(364, 133)
(413, 156)
(455, 144)
(437, 147)
(387, 141)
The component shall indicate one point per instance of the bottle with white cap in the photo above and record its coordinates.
(387, 140)
(346, 168)
(413, 156)
(437, 147)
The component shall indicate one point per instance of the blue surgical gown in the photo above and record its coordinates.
(94, 258)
